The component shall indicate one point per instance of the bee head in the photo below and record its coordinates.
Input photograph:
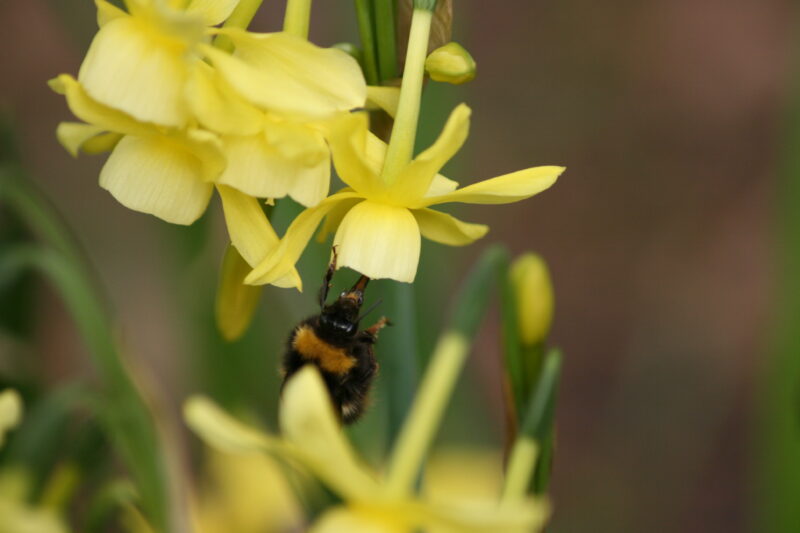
(341, 317)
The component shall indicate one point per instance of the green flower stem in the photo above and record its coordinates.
(366, 30)
(440, 377)
(521, 465)
(399, 356)
(537, 429)
(386, 41)
(241, 17)
(404, 132)
(777, 441)
(512, 345)
(123, 412)
(297, 17)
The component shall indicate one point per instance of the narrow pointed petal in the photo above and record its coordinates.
(250, 231)
(282, 259)
(221, 431)
(73, 135)
(386, 98)
(131, 69)
(441, 185)
(284, 73)
(502, 189)
(415, 179)
(158, 177)
(10, 412)
(106, 12)
(446, 229)
(95, 113)
(308, 421)
(213, 12)
(217, 106)
(236, 303)
(357, 154)
(379, 241)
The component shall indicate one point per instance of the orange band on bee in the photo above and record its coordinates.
(329, 358)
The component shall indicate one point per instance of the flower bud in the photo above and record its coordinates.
(236, 302)
(450, 63)
(530, 279)
(10, 411)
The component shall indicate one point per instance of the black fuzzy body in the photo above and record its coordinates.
(349, 389)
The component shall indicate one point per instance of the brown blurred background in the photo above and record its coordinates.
(659, 236)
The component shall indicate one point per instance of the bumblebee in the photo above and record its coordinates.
(332, 341)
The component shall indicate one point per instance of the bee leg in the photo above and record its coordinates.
(373, 330)
(326, 282)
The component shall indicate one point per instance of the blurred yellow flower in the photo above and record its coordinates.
(379, 223)
(245, 493)
(139, 61)
(10, 412)
(312, 437)
(17, 515)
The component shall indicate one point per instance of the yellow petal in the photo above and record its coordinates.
(534, 297)
(130, 68)
(246, 493)
(72, 135)
(502, 189)
(105, 142)
(334, 218)
(223, 432)
(95, 113)
(441, 185)
(254, 167)
(340, 519)
(446, 229)
(236, 302)
(281, 72)
(379, 241)
(415, 179)
(257, 168)
(10, 412)
(282, 259)
(308, 421)
(156, 176)
(213, 12)
(217, 106)
(357, 154)
(106, 12)
(525, 516)
(386, 98)
(250, 231)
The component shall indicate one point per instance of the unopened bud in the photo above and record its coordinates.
(10, 412)
(450, 63)
(534, 294)
(236, 302)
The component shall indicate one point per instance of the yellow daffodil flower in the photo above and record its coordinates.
(167, 173)
(140, 60)
(271, 100)
(312, 437)
(379, 223)
(17, 515)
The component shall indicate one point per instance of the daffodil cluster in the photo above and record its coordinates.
(183, 115)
